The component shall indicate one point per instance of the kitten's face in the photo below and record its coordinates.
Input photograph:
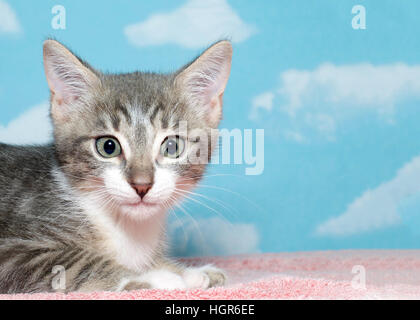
(129, 154)
(118, 137)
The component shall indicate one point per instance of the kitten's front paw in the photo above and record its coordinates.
(156, 279)
(203, 277)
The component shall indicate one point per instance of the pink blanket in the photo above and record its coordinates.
(359, 274)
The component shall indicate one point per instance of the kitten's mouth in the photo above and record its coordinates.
(140, 203)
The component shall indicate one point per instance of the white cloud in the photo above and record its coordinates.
(323, 123)
(263, 101)
(8, 20)
(295, 136)
(378, 208)
(194, 25)
(359, 86)
(212, 237)
(323, 98)
(33, 126)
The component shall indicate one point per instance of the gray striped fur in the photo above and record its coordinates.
(44, 224)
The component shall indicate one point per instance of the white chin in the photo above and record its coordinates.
(140, 211)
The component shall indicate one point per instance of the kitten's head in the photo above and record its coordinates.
(125, 141)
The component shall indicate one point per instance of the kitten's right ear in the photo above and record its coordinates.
(68, 78)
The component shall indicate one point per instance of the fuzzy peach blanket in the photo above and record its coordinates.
(358, 274)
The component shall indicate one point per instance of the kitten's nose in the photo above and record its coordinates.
(142, 189)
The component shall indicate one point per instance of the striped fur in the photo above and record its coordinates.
(61, 204)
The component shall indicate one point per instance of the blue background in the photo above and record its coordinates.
(304, 184)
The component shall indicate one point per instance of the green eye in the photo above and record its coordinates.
(172, 147)
(108, 147)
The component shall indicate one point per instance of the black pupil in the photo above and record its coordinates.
(172, 147)
(109, 146)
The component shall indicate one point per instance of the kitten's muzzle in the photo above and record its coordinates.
(142, 189)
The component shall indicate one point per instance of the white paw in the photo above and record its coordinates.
(155, 279)
(164, 279)
(203, 277)
(196, 279)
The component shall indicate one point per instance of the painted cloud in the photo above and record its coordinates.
(8, 20)
(33, 126)
(263, 101)
(320, 100)
(194, 25)
(212, 237)
(378, 208)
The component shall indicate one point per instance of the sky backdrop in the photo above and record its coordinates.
(339, 106)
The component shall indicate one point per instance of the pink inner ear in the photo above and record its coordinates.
(59, 91)
(66, 87)
(214, 115)
(208, 86)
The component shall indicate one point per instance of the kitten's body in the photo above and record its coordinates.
(42, 225)
(64, 205)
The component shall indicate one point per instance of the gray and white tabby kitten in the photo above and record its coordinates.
(95, 201)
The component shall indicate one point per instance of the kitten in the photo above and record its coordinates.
(95, 201)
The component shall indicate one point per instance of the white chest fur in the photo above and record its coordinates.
(133, 242)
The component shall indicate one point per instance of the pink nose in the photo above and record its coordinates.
(142, 189)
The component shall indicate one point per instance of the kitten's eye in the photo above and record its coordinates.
(108, 147)
(172, 147)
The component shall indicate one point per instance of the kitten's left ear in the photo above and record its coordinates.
(205, 79)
